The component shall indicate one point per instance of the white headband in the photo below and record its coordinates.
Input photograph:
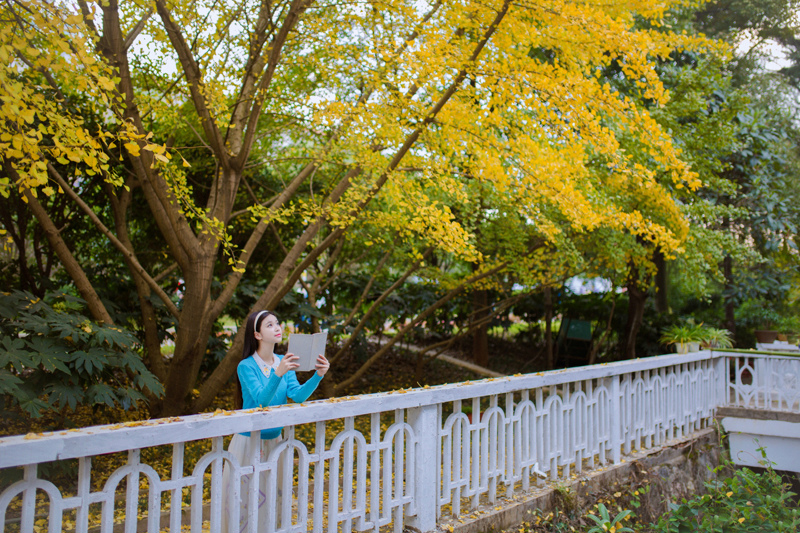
(255, 322)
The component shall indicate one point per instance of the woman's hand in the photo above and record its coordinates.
(289, 362)
(322, 365)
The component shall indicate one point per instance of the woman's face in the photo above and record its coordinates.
(269, 330)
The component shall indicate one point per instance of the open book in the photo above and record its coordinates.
(307, 347)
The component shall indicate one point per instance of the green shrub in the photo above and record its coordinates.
(53, 357)
(745, 501)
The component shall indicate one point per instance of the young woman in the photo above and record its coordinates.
(264, 379)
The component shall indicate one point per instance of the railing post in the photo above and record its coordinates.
(762, 370)
(616, 420)
(424, 422)
(721, 376)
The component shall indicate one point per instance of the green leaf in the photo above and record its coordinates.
(9, 383)
(16, 354)
(48, 360)
(90, 360)
(114, 337)
(50, 355)
(33, 406)
(101, 393)
(64, 394)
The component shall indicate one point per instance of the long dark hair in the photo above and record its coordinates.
(249, 347)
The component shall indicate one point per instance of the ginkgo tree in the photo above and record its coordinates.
(223, 124)
(702, 122)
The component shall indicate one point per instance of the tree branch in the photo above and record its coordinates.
(328, 265)
(373, 308)
(158, 278)
(255, 65)
(486, 320)
(131, 37)
(259, 102)
(163, 205)
(87, 17)
(252, 242)
(367, 288)
(71, 265)
(296, 9)
(129, 255)
(148, 321)
(342, 268)
(279, 284)
(419, 318)
(195, 80)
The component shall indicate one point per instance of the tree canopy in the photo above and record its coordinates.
(221, 154)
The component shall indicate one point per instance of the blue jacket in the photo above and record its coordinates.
(259, 390)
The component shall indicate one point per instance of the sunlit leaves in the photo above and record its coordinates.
(48, 60)
(486, 130)
(369, 75)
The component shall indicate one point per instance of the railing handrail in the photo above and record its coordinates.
(755, 353)
(70, 444)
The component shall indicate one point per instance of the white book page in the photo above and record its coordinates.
(307, 347)
(320, 339)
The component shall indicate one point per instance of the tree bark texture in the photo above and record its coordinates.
(548, 328)
(730, 298)
(480, 332)
(637, 298)
(662, 281)
(67, 259)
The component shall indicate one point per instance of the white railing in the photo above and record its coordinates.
(762, 381)
(397, 459)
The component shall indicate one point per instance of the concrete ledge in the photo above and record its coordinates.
(757, 414)
(780, 440)
(673, 456)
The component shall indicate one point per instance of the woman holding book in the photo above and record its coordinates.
(264, 379)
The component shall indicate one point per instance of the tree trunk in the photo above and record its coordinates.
(196, 250)
(729, 297)
(149, 321)
(191, 338)
(68, 261)
(327, 385)
(662, 288)
(548, 328)
(312, 302)
(597, 343)
(480, 333)
(637, 297)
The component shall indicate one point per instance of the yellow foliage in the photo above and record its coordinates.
(47, 55)
(440, 114)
